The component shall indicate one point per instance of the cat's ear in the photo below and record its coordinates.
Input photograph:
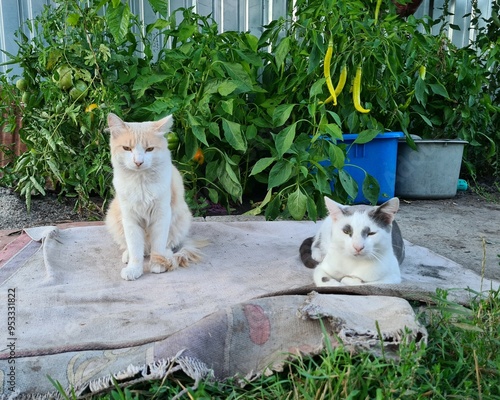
(389, 209)
(335, 210)
(115, 124)
(164, 125)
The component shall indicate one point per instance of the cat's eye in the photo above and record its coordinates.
(347, 230)
(371, 233)
(126, 148)
(150, 149)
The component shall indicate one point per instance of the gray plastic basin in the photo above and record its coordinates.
(432, 172)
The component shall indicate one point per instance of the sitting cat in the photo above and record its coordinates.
(356, 245)
(149, 214)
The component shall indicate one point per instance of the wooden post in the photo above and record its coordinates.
(11, 141)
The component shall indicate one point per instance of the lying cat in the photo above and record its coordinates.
(149, 214)
(356, 245)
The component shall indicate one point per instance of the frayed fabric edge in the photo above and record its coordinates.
(192, 367)
(362, 339)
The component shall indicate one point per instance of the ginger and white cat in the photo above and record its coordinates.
(149, 214)
(356, 245)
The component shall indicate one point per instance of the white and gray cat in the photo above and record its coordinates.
(149, 214)
(356, 245)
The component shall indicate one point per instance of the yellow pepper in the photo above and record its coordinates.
(340, 85)
(356, 92)
(326, 70)
(90, 107)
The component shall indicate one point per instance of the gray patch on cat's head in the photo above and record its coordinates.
(384, 214)
(382, 219)
(351, 210)
(376, 214)
(347, 229)
(365, 232)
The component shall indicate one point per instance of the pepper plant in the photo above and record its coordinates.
(471, 110)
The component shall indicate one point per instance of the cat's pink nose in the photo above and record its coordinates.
(359, 248)
(138, 163)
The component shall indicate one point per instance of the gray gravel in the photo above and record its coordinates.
(44, 211)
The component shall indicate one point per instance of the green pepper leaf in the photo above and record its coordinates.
(280, 173)
(439, 89)
(366, 136)
(282, 113)
(159, 6)
(261, 165)
(118, 18)
(348, 183)
(233, 135)
(284, 139)
(420, 91)
(297, 204)
(282, 50)
(371, 189)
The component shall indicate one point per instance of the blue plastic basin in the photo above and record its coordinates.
(378, 158)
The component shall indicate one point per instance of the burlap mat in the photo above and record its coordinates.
(245, 308)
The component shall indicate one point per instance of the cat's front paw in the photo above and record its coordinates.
(326, 281)
(351, 280)
(322, 278)
(131, 273)
(159, 264)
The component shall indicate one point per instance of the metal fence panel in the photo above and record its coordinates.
(239, 15)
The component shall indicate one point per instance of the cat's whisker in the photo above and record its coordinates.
(377, 256)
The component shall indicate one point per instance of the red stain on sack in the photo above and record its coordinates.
(260, 326)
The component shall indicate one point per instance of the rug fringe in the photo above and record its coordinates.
(192, 367)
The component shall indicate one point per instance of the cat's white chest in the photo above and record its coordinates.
(142, 190)
(366, 269)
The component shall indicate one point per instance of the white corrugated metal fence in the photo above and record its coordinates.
(231, 15)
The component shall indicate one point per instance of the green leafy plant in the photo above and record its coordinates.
(251, 114)
(63, 98)
(255, 142)
(9, 120)
(468, 108)
(483, 133)
(83, 64)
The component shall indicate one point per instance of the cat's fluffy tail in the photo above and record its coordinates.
(189, 252)
(306, 253)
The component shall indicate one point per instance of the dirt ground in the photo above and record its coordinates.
(465, 229)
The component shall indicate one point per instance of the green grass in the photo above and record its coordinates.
(460, 361)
